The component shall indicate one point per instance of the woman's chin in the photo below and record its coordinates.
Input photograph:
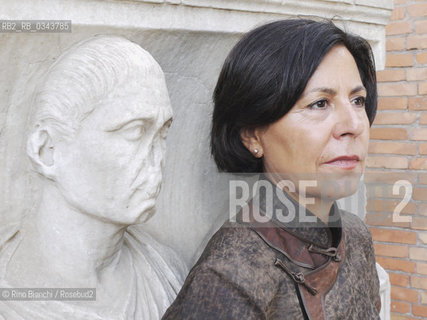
(340, 187)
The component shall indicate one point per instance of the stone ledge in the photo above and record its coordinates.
(375, 13)
(363, 17)
(83, 12)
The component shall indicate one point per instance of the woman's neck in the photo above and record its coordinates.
(319, 206)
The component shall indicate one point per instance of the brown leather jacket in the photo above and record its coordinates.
(274, 270)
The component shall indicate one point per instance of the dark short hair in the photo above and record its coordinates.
(265, 74)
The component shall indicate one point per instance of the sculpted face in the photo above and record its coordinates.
(325, 135)
(111, 168)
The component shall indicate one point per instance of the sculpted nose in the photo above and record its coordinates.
(156, 154)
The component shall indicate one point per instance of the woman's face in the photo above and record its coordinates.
(325, 136)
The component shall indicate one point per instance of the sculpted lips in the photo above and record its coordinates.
(344, 162)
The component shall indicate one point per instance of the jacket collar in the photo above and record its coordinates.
(285, 212)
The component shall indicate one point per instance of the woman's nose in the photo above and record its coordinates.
(350, 120)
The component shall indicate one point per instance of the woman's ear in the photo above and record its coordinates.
(251, 140)
(40, 150)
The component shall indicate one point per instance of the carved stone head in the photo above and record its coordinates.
(98, 129)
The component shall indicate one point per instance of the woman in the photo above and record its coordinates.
(294, 100)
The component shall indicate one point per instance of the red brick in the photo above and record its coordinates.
(397, 89)
(405, 206)
(393, 148)
(390, 75)
(389, 133)
(423, 297)
(420, 311)
(390, 235)
(388, 206)
(399, 60)
(398, 14)
(375, 191)
(414, 74)
(422, 88)
(418, 164)
(386, 103)
(422, 209)
(404, 294)
(418, 253)
(395, 44)
(418, 134)
(401, 307)
(419, 223)
(372, 176)
(422, 237)
(421, 26)
(423, 148)
(418, 103)
(420, 193)
(423, 177)
(416, 42)
(395, 118)
(398, 279)
(382, 205)
(386, 220)
(400, 27)
(387, 162)
(395, 316)
(417, 10)
(419, 282)
(423, 118)
(421, 268)
(401, 1)
(397, 265)
(391, 250)
(422, 57)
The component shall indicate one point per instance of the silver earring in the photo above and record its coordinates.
(255, 151)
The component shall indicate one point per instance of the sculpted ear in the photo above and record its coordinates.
(250, 139)
(40, 149)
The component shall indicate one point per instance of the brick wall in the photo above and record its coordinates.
(398, 151)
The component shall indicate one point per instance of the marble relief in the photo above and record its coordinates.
(96, 143)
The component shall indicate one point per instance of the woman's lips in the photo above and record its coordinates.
(344, 162)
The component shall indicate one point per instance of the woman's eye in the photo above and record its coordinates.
(359, 101)
(321, 104)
